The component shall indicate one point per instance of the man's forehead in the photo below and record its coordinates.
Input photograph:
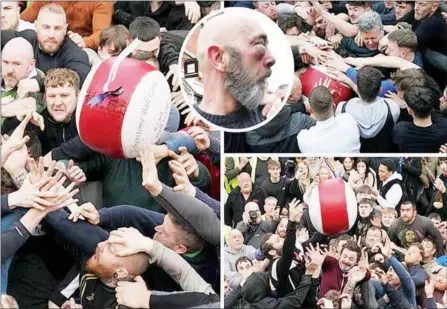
(9, 4)
(51, 19)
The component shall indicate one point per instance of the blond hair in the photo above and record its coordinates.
(62, 77)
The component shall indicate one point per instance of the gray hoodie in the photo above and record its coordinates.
(370, 117)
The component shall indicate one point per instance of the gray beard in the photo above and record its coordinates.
(243, 87)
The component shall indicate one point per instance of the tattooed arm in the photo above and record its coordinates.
(18, 178)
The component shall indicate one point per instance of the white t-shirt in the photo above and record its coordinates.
(24, 25)
(338, 134)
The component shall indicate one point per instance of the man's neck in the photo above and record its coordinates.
(323, 117)
(428, 260)
(246, 194)
(411, 222)
(275, 179)
(111, 283)
(216, 99)
(422, 122)
(410, 57)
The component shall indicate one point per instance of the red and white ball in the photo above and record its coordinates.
(119, 126)
(333, 207)
(315, 74)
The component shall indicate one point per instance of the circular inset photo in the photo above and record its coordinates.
(237, 69)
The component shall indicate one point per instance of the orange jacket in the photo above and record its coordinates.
(85, 18)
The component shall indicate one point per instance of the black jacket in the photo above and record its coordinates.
(169, 15)
(69, 56)
(280, 134)
(235, 205)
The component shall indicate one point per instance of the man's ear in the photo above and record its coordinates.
(272, 252)
(120, 274)
(216, 57)
(180, 249)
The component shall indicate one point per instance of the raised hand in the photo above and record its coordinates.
(181, 178)
(16, 141)
(192, 11)
(75, 173)
(380, 274)
(150, 172)
(173, 71)
(36, 119)
(357, 273)
(393, 96)
(86, 211)
(429, 287)
(201, 138)
(315, 254)
(187, 160)
(302, 235)
(294, 210)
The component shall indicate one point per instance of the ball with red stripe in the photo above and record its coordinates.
(333, 207)
(131, 112)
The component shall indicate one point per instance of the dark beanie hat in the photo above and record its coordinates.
(389, 164)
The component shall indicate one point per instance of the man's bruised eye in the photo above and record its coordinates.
(260, 52)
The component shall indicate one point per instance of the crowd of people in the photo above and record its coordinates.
(81, 229)
(392, 56)
(393, 256)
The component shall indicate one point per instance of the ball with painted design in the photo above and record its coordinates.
(122, 106)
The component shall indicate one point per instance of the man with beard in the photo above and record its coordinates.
(18, 67)
(411, 227)
(235, 61)
(240, 196)
(336, 274)
(51, 47)
(11, 17)
(286, 267)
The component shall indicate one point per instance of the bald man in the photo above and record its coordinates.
(18, 68)
(235, 62)
(51, 47)
(11, 17)
(246, 192)
(253, 227)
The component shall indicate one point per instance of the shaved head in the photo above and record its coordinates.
(251, 206)
(20, 47)
(107, 265)
(17, 61)
(233, 56)
(224, 31)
